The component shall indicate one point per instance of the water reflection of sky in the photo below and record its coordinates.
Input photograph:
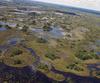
(3, 29)
(56, 32)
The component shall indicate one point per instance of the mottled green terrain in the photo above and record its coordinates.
(71, 47)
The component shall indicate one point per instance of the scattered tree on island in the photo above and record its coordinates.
(47, 27)
(8, 27)
(0, 26)
(25, 28)
(17, 62)
(16, 51)
(41, 40)
(51, 56)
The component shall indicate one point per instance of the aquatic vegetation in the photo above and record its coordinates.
(48, 44)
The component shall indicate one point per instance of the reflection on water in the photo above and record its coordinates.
(94, 67)
(56, 32)
(22, 75)
(27, 75)
(98, 53)
(76, 78)
(3, 29)
(7, 23)
(97, 42)
(15, 40)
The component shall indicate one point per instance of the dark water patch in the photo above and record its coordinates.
(97, 42)
(76, 78)
(94, 67)
(27, 75)
(56, 32)
(2, 29)
(2, 47)
(22, 75)
(14, 40)
(98, 53)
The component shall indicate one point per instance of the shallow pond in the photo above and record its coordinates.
(94, 67)
(14, 40)
(8, 23)
(56, 32)
(3, 29)
(98, 53)
(97, 42)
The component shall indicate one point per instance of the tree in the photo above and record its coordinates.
(51, 56)
(69, 80)
(17, 62)
(0, 26)
(25, 28)
(4, 19)
(41, 40)
(17, 25)
(7, 26)
(16, 51)
(47, 27)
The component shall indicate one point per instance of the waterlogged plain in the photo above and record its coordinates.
(48, 45)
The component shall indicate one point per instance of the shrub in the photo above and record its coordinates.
(74, 66)
(41, 40)
(7, 26)
(43, 66)
(16, 51)
(51, 56)
(0, 25)
(25, 28)
(47, 27)
(84, 55)
(17, 62)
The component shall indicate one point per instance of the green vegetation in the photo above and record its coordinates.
(69, 80)
(41, 40)
(78, 42)
(51, 56)
(98, 74)
(84, 55)
(25, 28)
(43, 67)
(16, 51)
(7, 26)
(0, 26)
(47, 27)
(17, 62)
(75, 66)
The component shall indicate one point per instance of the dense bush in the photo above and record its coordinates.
(47, 27)
(16, 51)
(83, 55)
(8, 27)
(43, 66)
(51, 56)
(25, 28)
(17, 62)
(41, 40)
(74, 66)
(0, 25)
(97, 73)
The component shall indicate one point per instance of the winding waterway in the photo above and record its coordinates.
(27, 75)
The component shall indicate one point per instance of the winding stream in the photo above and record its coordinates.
(27, 74)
